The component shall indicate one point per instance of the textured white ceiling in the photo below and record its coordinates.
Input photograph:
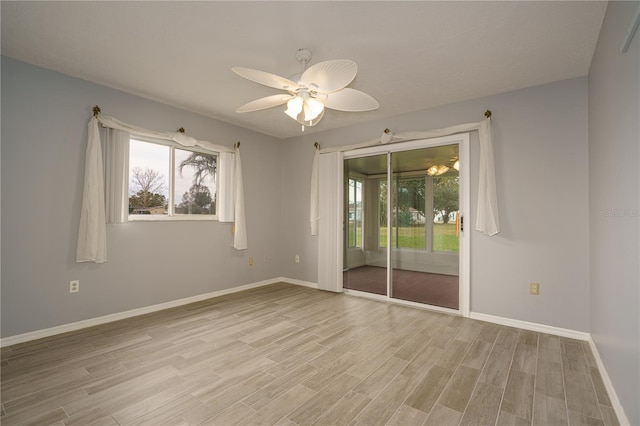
(411, 55)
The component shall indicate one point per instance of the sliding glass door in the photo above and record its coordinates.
(402, 224)
(424, 237)
(365, 259)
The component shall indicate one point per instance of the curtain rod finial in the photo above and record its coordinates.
(487, 113)
(316, 144)
(237, 145)
(387, 136)
(96, 110)
(181, 130)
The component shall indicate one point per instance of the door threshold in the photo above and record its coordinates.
(382, 298)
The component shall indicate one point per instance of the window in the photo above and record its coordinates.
(355, 213)
(412, 223)
(409, 213)
(170, 182)
(446, 190)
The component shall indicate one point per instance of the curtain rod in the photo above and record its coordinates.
(631, 32)
(178, 136)
(389, 137)
(96, 111)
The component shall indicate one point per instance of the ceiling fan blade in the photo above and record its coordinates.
(349, 100)
(329, 76)
(265, 78)
(264, 103)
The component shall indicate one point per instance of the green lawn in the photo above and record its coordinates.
(444, 237)
(352, 237)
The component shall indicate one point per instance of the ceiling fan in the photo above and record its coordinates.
(323, 85)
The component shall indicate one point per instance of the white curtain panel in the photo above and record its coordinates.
(487, 219)
(116, 172)
(240, 234)
(92, 232)
(330, 222)
(226, 177)
(487, 222)
(230, 189)
(314, 211)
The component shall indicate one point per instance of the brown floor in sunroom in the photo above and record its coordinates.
(421, 287)
(290, 355)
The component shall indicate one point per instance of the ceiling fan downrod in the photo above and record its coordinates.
(303, 56)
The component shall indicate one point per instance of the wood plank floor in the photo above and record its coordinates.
(290, 355)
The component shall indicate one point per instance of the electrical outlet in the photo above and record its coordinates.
(74, 286)
(297, 258)
(251, 261)
(534, 288)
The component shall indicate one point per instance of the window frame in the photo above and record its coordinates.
(171, 216)
(404, 176)
(357, 179)
(429, 215)
(432, 233)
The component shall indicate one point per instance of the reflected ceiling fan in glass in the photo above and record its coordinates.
(440, 169)
(437, 170)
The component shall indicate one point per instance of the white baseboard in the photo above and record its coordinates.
(532, 326)
(297, 282)
(613, 396)
(39, 334)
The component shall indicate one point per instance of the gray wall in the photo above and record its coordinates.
(540, 137)
(44, 130)
(541, 156)
(614, 195)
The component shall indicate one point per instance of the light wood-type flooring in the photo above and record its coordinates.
(290, 355)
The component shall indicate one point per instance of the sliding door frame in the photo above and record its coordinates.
(465, 232)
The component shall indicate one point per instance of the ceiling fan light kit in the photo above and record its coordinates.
(323, 85)
(440, 169)
(305, 109)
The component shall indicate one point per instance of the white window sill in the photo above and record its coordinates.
(176, 218)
